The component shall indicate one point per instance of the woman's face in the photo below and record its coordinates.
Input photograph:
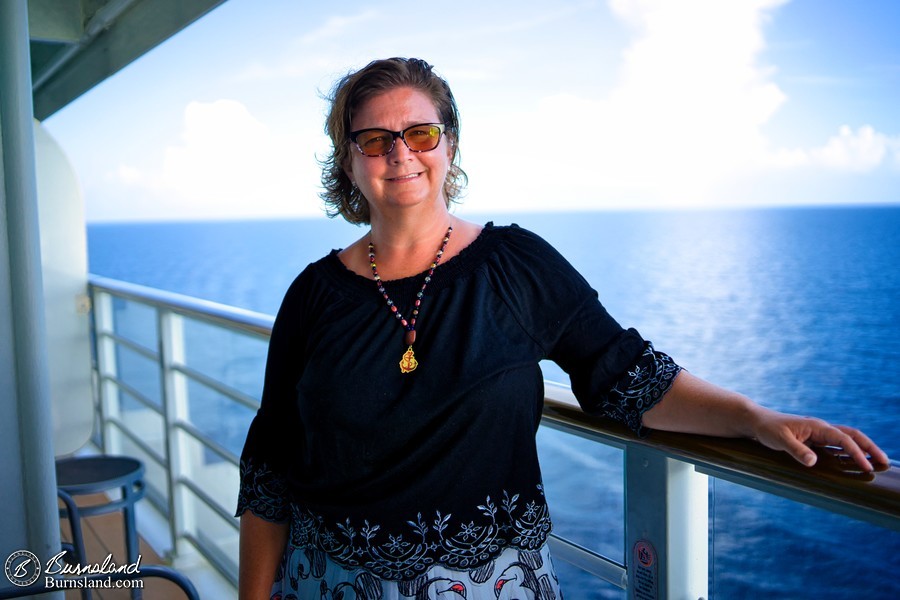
(401, 178)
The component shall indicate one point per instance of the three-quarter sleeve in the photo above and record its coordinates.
(614, 371)
(272, 442)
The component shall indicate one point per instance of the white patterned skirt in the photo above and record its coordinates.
(309, 573)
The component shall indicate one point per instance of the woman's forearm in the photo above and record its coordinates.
(261, 548)
(693, 405)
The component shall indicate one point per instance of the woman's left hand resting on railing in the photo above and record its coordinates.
(693, 405)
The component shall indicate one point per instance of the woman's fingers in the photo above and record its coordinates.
(855, 443)
(839, 437)
(866, 444)
(793, 445)
(788, 433)
(795, 434)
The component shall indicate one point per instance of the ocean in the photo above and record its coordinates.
(795, 307)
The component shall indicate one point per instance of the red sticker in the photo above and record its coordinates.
(645, 554)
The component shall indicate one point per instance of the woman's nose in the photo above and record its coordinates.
(400, 152)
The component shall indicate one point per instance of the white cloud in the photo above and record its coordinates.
(860, 151)
(683, 121)
(293, 68)
(337, 26)
(692, 95)
(227, 164)
(128, 175)
(849, 151)
(230, 160)
(684, 115)
(321, 50)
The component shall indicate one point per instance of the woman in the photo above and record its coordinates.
(394, 452)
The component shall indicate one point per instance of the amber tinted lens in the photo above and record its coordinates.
(375, 142)
(422, 138)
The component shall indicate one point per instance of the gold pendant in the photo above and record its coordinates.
(408, 363)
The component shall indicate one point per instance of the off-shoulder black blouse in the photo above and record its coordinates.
(396, 472)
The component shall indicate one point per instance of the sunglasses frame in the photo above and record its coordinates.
(394, 135)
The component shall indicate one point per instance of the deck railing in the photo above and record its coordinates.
(178, 381)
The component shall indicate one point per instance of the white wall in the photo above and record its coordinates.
(66, 306)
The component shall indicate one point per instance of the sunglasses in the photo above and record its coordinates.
(424, 137)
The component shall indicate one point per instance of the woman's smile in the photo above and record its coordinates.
(401, 178)
(404, 178)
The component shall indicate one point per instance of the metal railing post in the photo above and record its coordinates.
(176, 408)
(107, 371)
(666, 527)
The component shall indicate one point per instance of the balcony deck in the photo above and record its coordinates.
(104, 535)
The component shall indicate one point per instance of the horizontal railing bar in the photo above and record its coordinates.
(210, 443)
(227, 568)
(131, 435)
(209, 502)
(131, 345)
(134, 393)
(224, 389)
(247, 321)
(830, 484)
(596, 564)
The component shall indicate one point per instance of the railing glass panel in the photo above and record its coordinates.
(584, 486)
(140, 373)
(219, 417)
(147, 425)
(179, 382)
(135, 321)
(583, 482)
(762, 545)
(230, 357)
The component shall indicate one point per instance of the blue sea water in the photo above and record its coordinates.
(795, 307)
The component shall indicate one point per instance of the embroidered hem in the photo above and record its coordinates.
(640, 388)
(428, 542)
(263, 493)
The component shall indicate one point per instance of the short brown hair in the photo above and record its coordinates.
(349, 93)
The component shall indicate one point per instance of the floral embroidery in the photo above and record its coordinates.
(429, 541)
(262, 492)
(641, 388)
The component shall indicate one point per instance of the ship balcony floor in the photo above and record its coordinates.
(104, 535)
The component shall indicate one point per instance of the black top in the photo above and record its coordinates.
(396, 472)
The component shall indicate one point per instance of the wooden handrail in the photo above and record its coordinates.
(835, 483)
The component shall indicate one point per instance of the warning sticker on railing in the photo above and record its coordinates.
(645, 582)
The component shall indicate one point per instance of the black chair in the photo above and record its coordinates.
(79, 475)
(78, 556)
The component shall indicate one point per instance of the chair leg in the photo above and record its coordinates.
(131, 543)
(77, 535)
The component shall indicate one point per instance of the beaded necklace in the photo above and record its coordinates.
(408, 363)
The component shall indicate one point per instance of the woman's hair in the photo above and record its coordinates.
(349, 93)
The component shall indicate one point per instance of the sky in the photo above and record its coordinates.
(565, 105)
